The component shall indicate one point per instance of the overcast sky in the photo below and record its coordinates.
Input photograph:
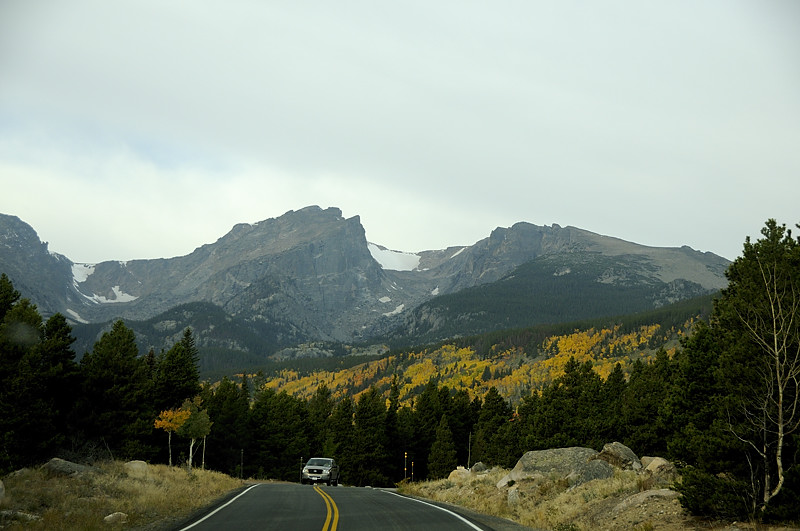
(145, 129)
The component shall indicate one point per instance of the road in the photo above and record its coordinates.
(303, 507)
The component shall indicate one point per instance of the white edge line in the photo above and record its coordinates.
(473, 526)
(215, 511)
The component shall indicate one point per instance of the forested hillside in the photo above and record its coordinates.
(555, 288)
(513, 372)
(719, 396)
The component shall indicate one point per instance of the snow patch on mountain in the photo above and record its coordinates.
(80, 272)
(117, 296)
(396, 311)
(394, 260)
(75, 315)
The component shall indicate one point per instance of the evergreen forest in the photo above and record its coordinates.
(718, 396)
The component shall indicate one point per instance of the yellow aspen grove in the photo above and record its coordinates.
(170, 420)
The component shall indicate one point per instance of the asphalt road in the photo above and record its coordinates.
(303, 507)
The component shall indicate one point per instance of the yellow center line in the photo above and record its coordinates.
(333, 510)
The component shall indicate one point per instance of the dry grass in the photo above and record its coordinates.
(541, 504)
(164, 495)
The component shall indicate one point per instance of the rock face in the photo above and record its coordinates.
(309, 275)
(575, 464)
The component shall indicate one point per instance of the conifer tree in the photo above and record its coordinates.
(760, 368)
(339, 442)
(20, 384)
(369, 440)
(442, 459)
(493, 431)
(280, 433)
(38, 377)
(396, 446)
(177, 373)
(8, 295)
(115, 398)
(229, 406)
(427, 413)
(320, 407)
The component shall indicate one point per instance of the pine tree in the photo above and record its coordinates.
(280, 434)
(115, 396)
(642, 403)
(427, 413)
(177, 376)
(760, 366)
(37, 380)
(229, 406)
(320, 407)
(369, 440)
(339, 442)
(493, 431)
(8, 295)
(21, 389)
(442, 459)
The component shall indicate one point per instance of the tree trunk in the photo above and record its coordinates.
(191, 448)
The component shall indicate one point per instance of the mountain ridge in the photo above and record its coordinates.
(311, 275)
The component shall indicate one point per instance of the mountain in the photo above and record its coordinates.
(311, 275)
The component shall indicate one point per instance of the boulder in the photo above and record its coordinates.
(459, 475)
(571, 463)
(137, 469)
(116, 518)
(620, 456)
(61, 467)
(479, 467)
(658, 466)
(594, 469)
(660, 471)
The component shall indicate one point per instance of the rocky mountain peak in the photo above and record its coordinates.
(311, 275)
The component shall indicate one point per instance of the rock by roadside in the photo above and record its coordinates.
(61, 467)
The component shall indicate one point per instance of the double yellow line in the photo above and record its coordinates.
(332, 519)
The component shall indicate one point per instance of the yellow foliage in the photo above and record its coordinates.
(170, 420)
(512, 371)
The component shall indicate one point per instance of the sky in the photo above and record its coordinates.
(144, 129)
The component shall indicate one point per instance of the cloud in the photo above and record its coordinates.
(158, 126)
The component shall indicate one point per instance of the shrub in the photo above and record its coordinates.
(705, 494)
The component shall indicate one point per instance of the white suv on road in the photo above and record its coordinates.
(320, 470)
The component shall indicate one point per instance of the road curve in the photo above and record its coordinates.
(302, 507)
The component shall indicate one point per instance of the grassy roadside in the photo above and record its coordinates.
(162, 496)
(552, 504)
